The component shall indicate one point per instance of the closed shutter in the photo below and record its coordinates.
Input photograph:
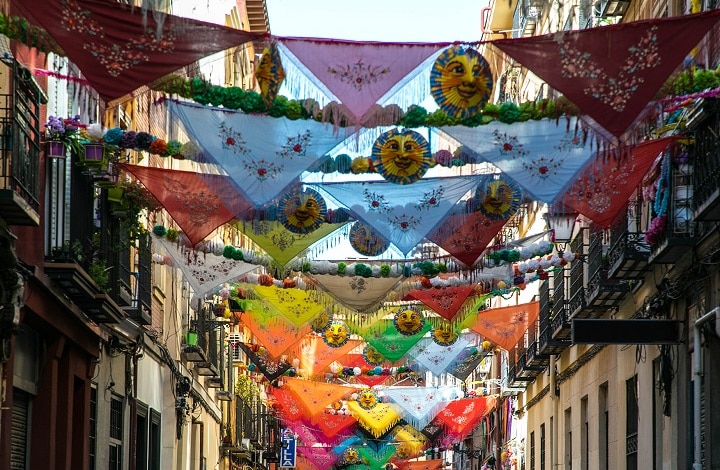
(19, 429)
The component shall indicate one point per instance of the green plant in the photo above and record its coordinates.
(172, 234)
(136, 198)
(99, 273)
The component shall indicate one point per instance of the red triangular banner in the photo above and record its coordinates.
(446, 301)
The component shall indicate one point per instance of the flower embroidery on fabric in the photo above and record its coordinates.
(201, 207)
(444, 300)
(263, 169)
(542, 167)
(358, 74)
(78, 20)
(119, 57)
(358, 284)
(232, 140)
(404, 222)
(431, 199)
(570, 142)
(376, 202)
(295, 146)
(509, 145)
(612, 91)
(283, 240)
(598, 188)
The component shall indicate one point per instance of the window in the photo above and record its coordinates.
(568, 439)
(532, 450)
(542, 446)
(141, 438)
(93, 426)
(658, 417)
(154, 445)
(584, 432)
(631, 424)
(603, 427)
(116, 433)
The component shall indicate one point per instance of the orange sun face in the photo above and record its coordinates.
(409, 321)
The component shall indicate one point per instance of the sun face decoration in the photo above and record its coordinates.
(302, 211)
(367, 241)
(351, 455)
(444, 335)
(403, 451)
(336, 334)
(372, 356)
(270, 74)
(401, 157)
(461, 82)
(367, 399)
(499, 199)
(409, 321)
(320, 322)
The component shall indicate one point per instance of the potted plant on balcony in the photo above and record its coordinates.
(93, 154)
(63, 134)
(135, 199)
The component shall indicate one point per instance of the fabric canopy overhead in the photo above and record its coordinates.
(296, 305)
(434, 357)
(404, 217)
(289, 407)
(281, 244)
(541, 156)
(612, 72)
(315, 396)
(277, 335)
(270, 368)
(465, 363)
(377, 420)
(389, 342)
(119, 47)
(357, 360)
(601, 192)
(460, 417)
(315, 355)
(505, 325)
(446, 301)
(356, 292)
(357, 74)
(203, 271)
(320, 457)
(192, 199)
(262, 154)
(421, 404)
(306, 432)
(332, 425)
(376, 459)
(466, 235)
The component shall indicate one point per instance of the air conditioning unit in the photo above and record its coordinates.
(234, 340)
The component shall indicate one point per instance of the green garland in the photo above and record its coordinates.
(15, 27)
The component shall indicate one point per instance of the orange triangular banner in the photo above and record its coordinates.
(315, 396)
(276, 335)
(505, 326)
(315, 355)
(446, 301)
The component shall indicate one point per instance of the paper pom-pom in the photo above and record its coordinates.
(113, 136)
(501, 285)
(357, 371)
(343, 163)
(224, 293)
(95, 132)
(444, 157)
(360, 165)
(158, 147)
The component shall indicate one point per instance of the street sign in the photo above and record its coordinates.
(288, 452)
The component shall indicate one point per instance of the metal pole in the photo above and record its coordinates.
(697, 377)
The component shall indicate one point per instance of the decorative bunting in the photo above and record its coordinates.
(466, 235)
(315, 396)
(366, 240)
(315, 355)
(357, 360)
(320, 457)
(297, 305)
(410, 441)
(378, 420)
(270, 74)
(269, 368)
(119, 47)
(376, 459)
(460, 417)
(408, 321)
(611, 72)
(466, 362)
(432, 431)
(203, 271)
(336, 335)
(421, 404)
(357, 292)
(602, 191)
(505, 326)
(192, 199)
(332, 425)
(401, 216)
(281, 244)
(434, 357)
(276, 335)
(542, 156)
(288, 405)
(446, 301)
(263, 155)
(461, 82)
(388, 341)
(357, 74)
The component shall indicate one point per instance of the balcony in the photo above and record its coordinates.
(628, 254)
(546, 345)
(20, 149)
(526, 17)
(706, 158)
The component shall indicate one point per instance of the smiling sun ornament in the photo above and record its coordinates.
(336, 334)
(367, 399)
(408, 321)
(461, 82)
(302, 211)
(499, 199)
(444, 335)
(401, 157)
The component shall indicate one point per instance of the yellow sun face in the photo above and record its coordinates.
(367, 399)
(500, 200)
(444, 335)
(302, 212)
(401, 157)
(373, 356)
(320, 322)
(409, 321)
(336, 334)
(461, 82)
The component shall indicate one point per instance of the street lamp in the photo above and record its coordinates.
(561, 220)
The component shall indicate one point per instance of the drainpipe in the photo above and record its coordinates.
(556, 402)
(697, 377)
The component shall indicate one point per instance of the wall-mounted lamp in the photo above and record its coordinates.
(615, 8)
(561, 220)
